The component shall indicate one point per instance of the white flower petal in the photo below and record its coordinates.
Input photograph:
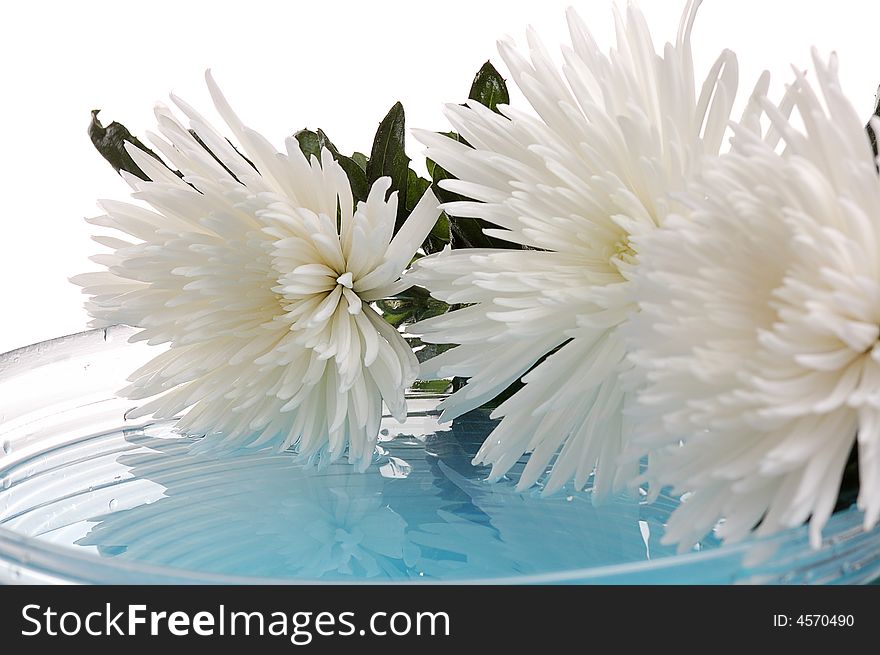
(242, 268)
(578, 186)
(768, 303)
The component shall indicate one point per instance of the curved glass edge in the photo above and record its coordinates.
(848, 555)
(46, 352)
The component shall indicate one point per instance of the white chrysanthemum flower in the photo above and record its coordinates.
(758, 335)
(259, 272)
(615, 134)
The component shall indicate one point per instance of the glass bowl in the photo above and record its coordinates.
(88, 496)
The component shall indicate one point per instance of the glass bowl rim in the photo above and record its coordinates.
(63, 562)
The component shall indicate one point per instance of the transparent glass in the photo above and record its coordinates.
(89, 496)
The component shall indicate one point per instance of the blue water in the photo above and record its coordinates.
(422, 511)
(88, 496)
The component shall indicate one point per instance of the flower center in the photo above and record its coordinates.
(623, 252)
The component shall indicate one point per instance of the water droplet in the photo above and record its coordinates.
(569, 498)
(421, 574)
(7, 482)
(113, 504)
(7, 446)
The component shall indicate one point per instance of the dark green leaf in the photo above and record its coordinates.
(438, 174)
(415, 189)
(439, 236)
(311, 143)
(848, 494)
(468, 233)
(327, 143)
(463, 232)
(388, 157)
(110, 142)
(360, 159)
(489, 88)
(360, 188)
(410, 306)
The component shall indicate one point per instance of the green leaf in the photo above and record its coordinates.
(388, 157)
(432, 386)
(360, 188)
(463, 232)
(311, 143)
(439, 236)
(410, 306)
(468, 233)
(326, 142)
(489, 88)
(415, 189)
(848, 494)
(360, 159)
(110, 143)
(438, 174)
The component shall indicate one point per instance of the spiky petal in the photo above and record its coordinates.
(258, 269)
(760, 324)
(613, 136)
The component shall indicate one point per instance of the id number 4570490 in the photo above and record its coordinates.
(813, 621)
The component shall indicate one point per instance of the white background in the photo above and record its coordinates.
(287, 65)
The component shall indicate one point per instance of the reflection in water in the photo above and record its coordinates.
(260, 515)
(422, 511)
(76, 476)
(524, 532)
